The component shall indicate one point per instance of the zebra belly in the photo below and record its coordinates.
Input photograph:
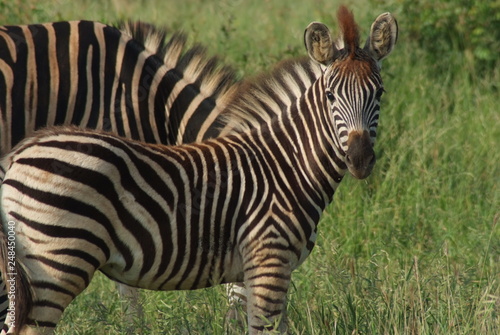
(200, 276)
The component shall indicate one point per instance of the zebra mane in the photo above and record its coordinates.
(207, 72)
(349, 29)
(261, 98)
(149, 35)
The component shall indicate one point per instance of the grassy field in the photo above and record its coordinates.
(414, 249)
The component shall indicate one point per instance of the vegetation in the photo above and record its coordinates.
(414, 249)
(446, 26)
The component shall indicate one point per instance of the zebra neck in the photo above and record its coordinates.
(303, 145)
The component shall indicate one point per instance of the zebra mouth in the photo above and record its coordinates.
(360, 157)
(361, 172)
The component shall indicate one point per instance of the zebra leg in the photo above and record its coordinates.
(49, 284)
(134, 315)
(52, 294)
(130, 296)
(267, 284)
(237, 313)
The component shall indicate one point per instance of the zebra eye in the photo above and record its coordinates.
(330, 96)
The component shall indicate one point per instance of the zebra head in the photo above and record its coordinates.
(352, 82)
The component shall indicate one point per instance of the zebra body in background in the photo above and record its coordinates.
(242, 207)
(94, 76)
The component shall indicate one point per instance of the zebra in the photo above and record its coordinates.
(240, 207)
(96, 76)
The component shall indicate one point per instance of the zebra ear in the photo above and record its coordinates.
(383, 37)
(319, 43)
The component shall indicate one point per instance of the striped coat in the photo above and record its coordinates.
(95, 76)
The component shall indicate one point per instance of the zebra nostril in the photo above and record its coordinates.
(372, 160)
(348, 159)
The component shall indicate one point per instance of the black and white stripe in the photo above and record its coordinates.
(242, 207)
(95, 76)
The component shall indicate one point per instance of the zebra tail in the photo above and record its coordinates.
(18, 285)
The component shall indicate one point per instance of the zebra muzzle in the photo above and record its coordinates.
(360, 157)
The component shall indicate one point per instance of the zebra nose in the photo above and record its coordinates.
(360, 157)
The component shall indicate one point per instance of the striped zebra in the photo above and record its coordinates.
(95, 76)
(242, 207)
(128, 80)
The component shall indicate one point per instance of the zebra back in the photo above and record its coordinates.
(219, 77)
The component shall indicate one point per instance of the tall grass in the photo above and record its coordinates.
(414, 249)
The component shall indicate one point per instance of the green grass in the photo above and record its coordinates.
(414, 249)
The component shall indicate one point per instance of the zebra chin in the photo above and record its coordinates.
(360, 157)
